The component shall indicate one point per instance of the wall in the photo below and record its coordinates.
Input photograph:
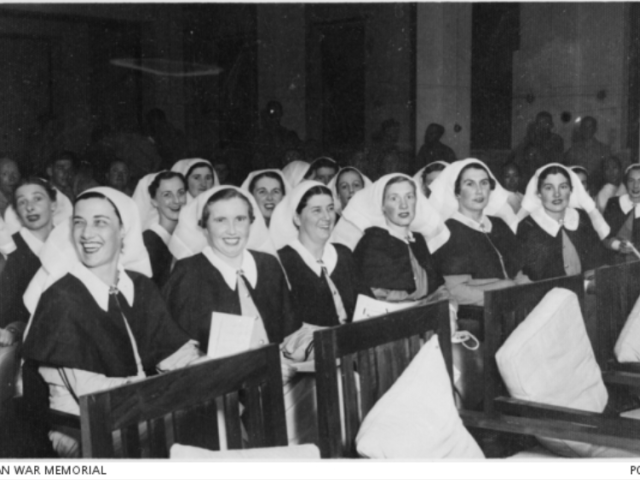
(443, 86)
(389, 62)
(569, 52)
(281, 61)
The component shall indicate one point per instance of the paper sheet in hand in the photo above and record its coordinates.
(367, 307)
(229, 334)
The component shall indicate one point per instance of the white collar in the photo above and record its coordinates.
(34, 244)
(329, 256)
(626, 205)
(551, 226)
(230, 274)
(100, 290)
(477, 226)
(162, 233)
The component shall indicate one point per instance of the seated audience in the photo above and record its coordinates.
(345, 184)
(392, 256)
(160, 197)
(98, 321)
(61, 171)
(558, 237)
(118, 177)
(511, 181)
(587, 151)
(426, 175)
(35, 205)
(231, 272)
(613, 184)
(198, 173)
(482, 252)
(322, 275)
(622, 214)
(268, 188)
(322, 169)
(9, 178)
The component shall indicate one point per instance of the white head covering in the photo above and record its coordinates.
(183, 166)
(633, 165)
(365, 210)
(334, 187)
(578, 168)
(295, 171)
(64, 210)
(190, 239)
(254, 174)
(444, 199)
(148, 213)
(418, 175)
(59, 256)
(579, 198)
(282, 228)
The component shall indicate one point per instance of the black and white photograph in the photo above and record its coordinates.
(292, 233)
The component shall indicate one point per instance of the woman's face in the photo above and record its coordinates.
(170, 198)
(348, 184)
(399, 203)
(317, 219)
(555, 192)
(34, 207)
(633, 185)
(97, 232)
(9, 175)
(475, 189)
(325, 174)
(200, 180)
(228, 227)
(268, 193)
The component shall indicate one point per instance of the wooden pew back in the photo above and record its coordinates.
(504, 310)
(617, 289)
(180, 406)
(372, 354)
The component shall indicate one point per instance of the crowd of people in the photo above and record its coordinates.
(106, 284)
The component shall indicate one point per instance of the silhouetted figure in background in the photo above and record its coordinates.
(588, 152)
(9, 178)
(274, 139)
(433, 149)
(62, 170)
(170, 142)
(539, 147)
(118, 177)
(384, 155)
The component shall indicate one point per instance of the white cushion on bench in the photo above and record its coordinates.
(417, 418)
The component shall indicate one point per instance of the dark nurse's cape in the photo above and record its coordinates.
(311, 296)
(384, 262)
(70, 330)
(469, 252)
(196, 289)
(22, 264)
(159, 256)
(542, 253)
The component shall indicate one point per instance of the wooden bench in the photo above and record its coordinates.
(617, 288)
(379, 349)
(180, 407)
(504, 311)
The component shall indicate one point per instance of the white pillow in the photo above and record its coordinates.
(417, 418)
(548, 359)
(183, 452)
(627, 347)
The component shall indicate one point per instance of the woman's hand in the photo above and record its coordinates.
(625, 247)
(7, 337)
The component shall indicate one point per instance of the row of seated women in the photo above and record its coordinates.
(291, 253)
